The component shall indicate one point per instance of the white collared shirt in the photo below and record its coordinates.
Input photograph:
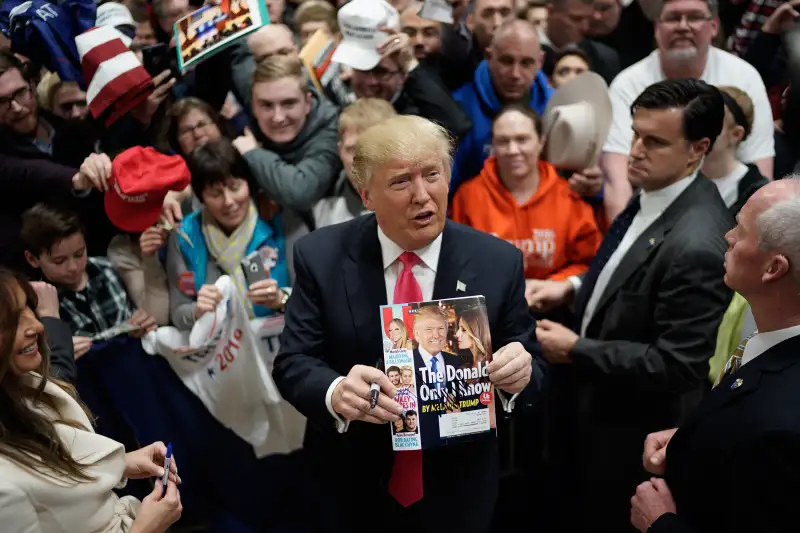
(424, 271)
(762, 342)
(653, 205)
(425, 274)
(428, 360)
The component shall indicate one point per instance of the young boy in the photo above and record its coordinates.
(345, 203)
(92, 297)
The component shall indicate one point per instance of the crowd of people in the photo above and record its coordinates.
(614, 177)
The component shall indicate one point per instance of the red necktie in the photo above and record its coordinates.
(405, 485)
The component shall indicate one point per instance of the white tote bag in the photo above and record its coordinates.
(226, 360)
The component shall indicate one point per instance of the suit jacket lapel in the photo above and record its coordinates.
(365, 285)
(454, 278)
(648, 242)
(746, 380)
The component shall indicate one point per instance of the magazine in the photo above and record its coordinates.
(437, 354)
(202, 33)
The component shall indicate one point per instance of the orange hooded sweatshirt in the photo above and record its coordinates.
(555, 229)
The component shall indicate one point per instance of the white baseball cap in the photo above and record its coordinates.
(359, 21)
(117, 16)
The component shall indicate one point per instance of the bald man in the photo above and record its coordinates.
(730, 466)
(511, 73)
(272, 40)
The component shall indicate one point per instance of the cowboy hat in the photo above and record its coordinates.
(577, 120)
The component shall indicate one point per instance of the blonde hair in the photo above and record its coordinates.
(47, 88)
(744, 101)
(316, 11)
(404, 138)
(403, 333)
(278, 67)
(364, 113)
(431, 311)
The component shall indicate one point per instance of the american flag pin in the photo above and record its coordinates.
(652, 241)
(736, 384)
(460, 286)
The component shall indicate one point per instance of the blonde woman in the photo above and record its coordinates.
(735, 180)
(399, 335)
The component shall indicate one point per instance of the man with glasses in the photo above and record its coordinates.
(684, 30)
(40, 155)
(384, 66)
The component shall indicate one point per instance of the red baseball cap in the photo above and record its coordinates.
(140, 179)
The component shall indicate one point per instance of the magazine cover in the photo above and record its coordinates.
(211, 28)
(436, 354)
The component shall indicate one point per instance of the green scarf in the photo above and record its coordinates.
(229, 250)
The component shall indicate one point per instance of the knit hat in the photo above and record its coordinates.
(140, 179)
(116, 81)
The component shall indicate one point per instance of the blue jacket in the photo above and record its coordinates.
(196, 254)
(481, 103)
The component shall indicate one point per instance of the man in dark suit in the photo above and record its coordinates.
(732, 465)
(405, 252)
(430, 366)
(648, 309)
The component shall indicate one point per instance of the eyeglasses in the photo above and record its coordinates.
(383, 74)
(692, 19)
(191, 129)
(19, 96)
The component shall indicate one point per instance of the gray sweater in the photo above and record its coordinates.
(181, 306)
(298, 173)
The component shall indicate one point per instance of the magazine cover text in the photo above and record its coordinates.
(436, 354)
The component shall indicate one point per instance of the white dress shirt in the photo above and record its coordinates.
(425, 274)
(653, 205)
(762, 342)
(428, 360)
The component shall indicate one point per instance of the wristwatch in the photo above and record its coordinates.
(284, 299)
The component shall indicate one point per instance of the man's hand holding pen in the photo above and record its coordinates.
(351, 397)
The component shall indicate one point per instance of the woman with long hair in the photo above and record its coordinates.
(398, 335)
(473, 335)
(56, 473)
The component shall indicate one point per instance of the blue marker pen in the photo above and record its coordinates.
(167, 461)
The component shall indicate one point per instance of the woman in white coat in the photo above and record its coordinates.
(56, 473)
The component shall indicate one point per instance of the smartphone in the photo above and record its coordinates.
(253, 268)
(157, 58)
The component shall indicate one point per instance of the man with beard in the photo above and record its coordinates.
(384, 66)
(45, 158)
(425, 35)
(684, 30)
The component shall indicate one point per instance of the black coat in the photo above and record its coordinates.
(424, 94)
(732, 466)
(643, 363)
